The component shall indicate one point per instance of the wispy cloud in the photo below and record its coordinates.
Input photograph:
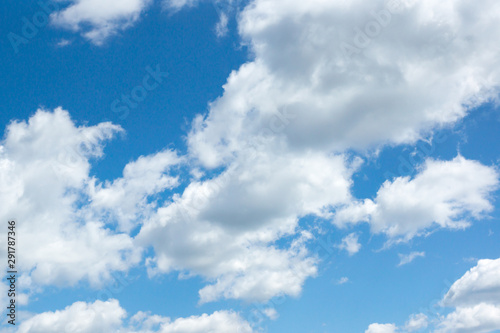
(343, 280)
(408, 258)
(63, 42)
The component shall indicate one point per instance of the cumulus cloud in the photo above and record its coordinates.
(279, 134)
(419, 71)
(98, 317)
(109, 316)
(301, 101)
(405, 259)
(480, 284)
(43, 177)
(417, 322)
(126, 198)
(221, 228)
(447, 194)
(381, 328)
(326, 77)
(224, 228)
(281, 128)
(480, 318)
(99, 19)
(64, 215)
(350, 244)
(476, 298)
(219, 321)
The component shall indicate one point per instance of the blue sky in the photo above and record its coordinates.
(316, 167)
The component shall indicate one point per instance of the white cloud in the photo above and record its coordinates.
(480, 318)
(416, 322)
(63, 42)
(65, 218)
(221, 28)
(179, 4)
(476, 297)
(126, 198)
(224, 228)
(271, 313)
(285, 118)
(301, 95)
(109, 316)
(420, 72)
(444, 193)
(480, 284)
(99, 19)
(301, 101)
(279, 132)
(408, 258)
(476, 302)
(98, 317)
(381, 328)
(350, 244)
(226, 10)
(343, 280)
(43, 178)
(220, 321)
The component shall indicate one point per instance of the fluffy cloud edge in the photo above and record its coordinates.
(443, 194)
(109, 317)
